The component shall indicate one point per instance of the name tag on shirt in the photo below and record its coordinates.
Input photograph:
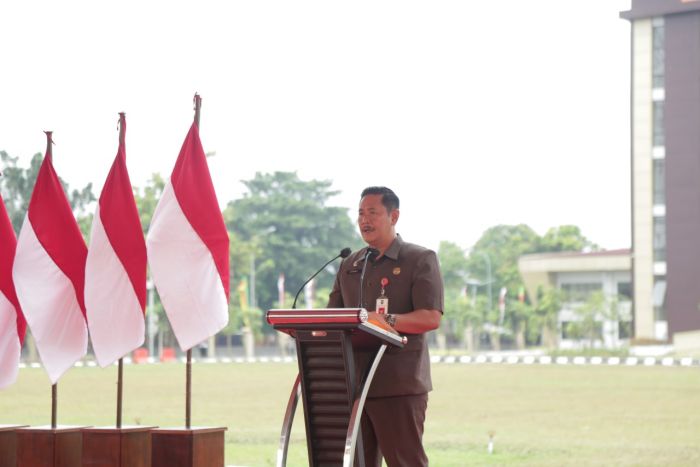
(382, 305)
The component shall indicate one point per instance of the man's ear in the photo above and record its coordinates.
(394, 216)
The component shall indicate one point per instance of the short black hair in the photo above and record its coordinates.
(389, 198)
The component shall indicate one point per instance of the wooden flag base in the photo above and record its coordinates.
(128, 446)
(52, 447)
(8, 445)
(183, 447)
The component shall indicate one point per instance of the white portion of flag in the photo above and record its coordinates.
(114, 315)
(9, 342)
(185, 274)
(47, 297)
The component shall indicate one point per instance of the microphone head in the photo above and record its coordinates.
(345, 252)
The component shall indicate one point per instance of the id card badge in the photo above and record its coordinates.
(382, 305)
(383, 302)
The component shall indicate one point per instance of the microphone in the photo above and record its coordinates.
(344, 253)
(369, 256)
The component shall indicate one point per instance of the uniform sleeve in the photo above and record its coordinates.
(427, 291)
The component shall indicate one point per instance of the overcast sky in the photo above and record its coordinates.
(475, 113)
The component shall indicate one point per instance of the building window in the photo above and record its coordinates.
(659, 181)
(579, 292)
(624, 291)
(659, 137)
(659, 298)
(658, 42)
(624, 329)
(659, 239)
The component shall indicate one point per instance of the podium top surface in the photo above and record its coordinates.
(122, 429)
(50, 429)
(349, 316)
(176, 430)
(11, 427)
(351, 319)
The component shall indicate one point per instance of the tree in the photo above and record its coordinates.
(590, 314)
(494, 261)
(453, 266)
(503, 245)
(17, 184)
(286, 224)
(499, 249)
(147, 201)
(565, 238)
(547, 315)
(519, 314)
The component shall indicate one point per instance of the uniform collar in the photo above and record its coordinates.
(393, 250)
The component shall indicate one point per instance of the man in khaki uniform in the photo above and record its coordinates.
(403, 282)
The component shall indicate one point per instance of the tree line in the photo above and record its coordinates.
(287, 226)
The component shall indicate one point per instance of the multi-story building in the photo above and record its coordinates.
(665, 160)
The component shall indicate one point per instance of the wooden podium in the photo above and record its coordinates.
(333, 397)
(61, 446)
(117, 447)
(8, 445)
(188, 447)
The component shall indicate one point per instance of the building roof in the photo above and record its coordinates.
(540, 269)
(649, 8)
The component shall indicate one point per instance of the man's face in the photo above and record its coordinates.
(375, 223)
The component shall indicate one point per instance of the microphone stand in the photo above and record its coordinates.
(344, 253)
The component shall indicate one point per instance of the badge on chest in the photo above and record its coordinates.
(382, 306)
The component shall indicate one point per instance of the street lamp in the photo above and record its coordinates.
(475, 284)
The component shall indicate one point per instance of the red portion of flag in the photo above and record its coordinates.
(8, 244)
(121, 222)
(56, 229)
(195, 194)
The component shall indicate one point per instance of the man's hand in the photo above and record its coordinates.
(379, 319)
(414, 322)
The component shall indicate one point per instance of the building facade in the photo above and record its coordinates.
(579, 276)
(665, 160)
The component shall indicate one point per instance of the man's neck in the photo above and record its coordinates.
(383, 246)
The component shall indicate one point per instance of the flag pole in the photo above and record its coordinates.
(54, 397)
(188, 383)
(54, 386)
(119, 392)
(188, 391)
(120, 371)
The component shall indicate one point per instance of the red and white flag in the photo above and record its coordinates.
(49, 274)
(12, 323)
(188, 249)
(115, 271)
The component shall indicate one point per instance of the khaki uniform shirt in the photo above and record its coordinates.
(415, 283)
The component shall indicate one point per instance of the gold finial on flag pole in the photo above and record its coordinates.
(122, 128)
(197, 108)
(49, 143)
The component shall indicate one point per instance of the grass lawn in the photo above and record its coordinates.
(542, 415)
